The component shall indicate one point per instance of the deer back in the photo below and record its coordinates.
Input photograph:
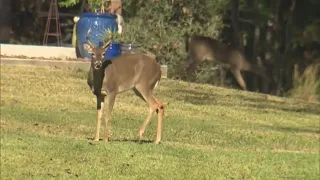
(202, 48)
(127, 70)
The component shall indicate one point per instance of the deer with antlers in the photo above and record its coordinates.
(137, 71)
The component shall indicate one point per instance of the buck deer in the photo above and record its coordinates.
(202, 48)
(107, 78)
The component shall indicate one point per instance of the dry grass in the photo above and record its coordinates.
(307, 84)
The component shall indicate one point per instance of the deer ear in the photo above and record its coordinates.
(88, 48)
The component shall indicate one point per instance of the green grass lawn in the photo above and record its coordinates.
(47, 116)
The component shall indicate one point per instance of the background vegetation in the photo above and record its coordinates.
(209, 132)
(282, 33)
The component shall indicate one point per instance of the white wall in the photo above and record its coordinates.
(32, 51)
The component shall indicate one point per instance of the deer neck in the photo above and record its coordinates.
(96, 78)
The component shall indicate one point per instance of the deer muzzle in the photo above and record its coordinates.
(97, 65)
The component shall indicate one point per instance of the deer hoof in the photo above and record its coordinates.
(140, 133)
(157, 142)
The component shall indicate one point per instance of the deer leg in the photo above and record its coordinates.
(152, 109)
(90, 79)
(151, 112)
(239, 78)
(100, 102)
(160, 112)
(110, 103)
(191, 70)
(154, 105)
(222, 75)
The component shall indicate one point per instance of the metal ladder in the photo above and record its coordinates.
(53, 15)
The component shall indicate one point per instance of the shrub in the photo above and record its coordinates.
(307, 85)
(160, 26)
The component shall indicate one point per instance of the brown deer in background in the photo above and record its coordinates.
(202, 48)
(107, 78)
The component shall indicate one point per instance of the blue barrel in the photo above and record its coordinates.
(98, 23)
(113, 50)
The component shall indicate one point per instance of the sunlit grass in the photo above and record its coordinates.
(47, 116)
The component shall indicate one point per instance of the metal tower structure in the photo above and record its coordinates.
(53, 15)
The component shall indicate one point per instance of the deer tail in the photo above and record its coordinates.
(158, 80)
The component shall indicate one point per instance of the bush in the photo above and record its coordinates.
(307, 85)
(160, 26)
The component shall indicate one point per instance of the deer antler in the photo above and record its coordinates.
(110, 38)
(87, 38)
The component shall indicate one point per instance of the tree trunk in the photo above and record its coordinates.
(5, 21)
(283, 35)
(235, 24)
(256, 40)
(288, 39)
(268, 54)
(276, 15)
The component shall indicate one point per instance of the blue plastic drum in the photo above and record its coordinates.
(99, 24)
(113, 51)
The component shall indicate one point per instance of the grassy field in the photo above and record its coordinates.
(47, 116)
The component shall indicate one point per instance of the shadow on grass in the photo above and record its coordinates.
(257, 102)
(195, 97)
(272, 104)
(124, 140)
(132, 140)
(291, 129)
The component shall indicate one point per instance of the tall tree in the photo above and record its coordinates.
(5, 21)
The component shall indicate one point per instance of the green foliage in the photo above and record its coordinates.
(95, 4)
(313, 30)
(160, 26)
(207, 74)
(108, 34)
(68, 3)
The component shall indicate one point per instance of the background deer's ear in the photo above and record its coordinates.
(88, 48)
